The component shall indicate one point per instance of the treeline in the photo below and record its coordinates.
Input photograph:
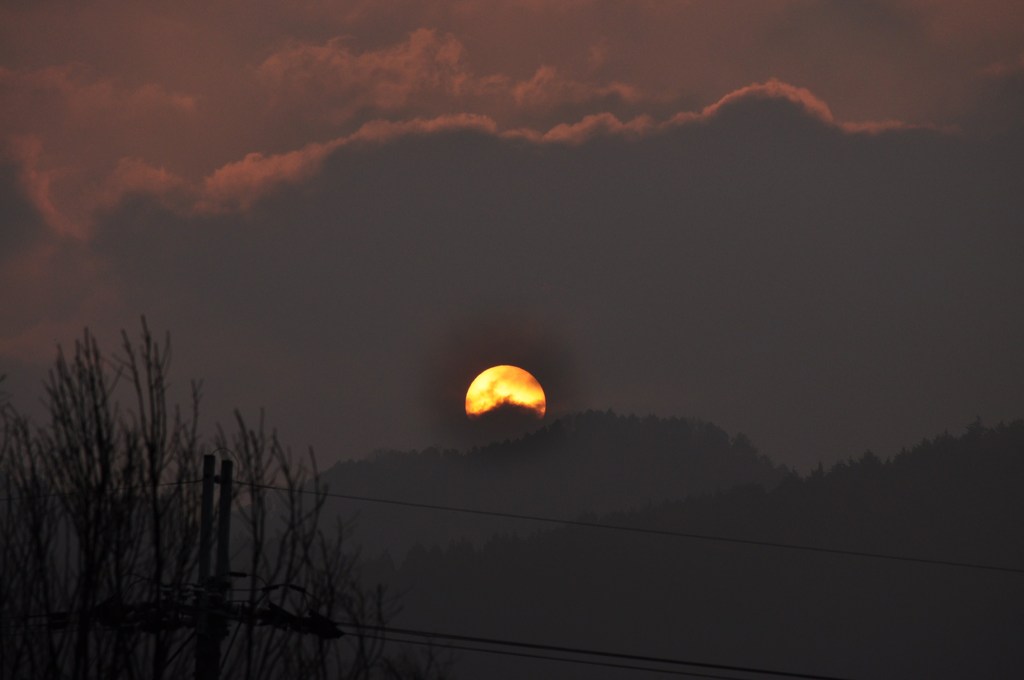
(584, 463)
(952, 498)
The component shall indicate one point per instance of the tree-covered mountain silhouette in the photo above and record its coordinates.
(950, 499)
(585, 463)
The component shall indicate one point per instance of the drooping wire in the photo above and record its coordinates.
(650, 532)
(534, 647)
(547, 657)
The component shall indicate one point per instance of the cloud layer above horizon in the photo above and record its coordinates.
(802, 223)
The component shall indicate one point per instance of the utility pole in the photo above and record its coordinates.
(206, 516)
(210, 624)
(211, 611)
(222, 586)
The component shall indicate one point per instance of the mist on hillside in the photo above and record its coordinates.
(896, 567)
(593, 462)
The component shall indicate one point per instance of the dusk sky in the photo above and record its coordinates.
(799, 219)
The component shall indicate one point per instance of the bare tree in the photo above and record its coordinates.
(99, 527)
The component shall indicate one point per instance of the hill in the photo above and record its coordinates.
(951, 498)
(591, 462)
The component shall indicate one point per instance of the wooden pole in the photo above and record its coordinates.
(204, 640)
(210, 622)
(224, 530)
(206, 517)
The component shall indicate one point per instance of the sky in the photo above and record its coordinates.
(799, 219)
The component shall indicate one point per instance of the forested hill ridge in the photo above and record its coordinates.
(951, 498)
(593, 462)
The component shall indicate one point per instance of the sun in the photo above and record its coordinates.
(501, 386)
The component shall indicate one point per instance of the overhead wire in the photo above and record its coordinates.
(544, 657)
(648, 531)
(548, 652)
(563, 649)
(510, 648)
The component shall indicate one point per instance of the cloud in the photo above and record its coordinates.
(349, 178)
(386, 79)
(239, 185)
(548, 89)
(176, 86)
(800, 97)
(66, 126)
(21, 215)
(72, 89)
(48, 280)
(773, 89)
(1005, 69)
(427, 73)
(383, 130)
(136, 176)
(602, 124)
(37, 182)
(998, 103)
(757, 265)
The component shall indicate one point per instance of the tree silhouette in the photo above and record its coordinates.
(99, 531)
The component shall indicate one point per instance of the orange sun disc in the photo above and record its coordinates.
(504, 386)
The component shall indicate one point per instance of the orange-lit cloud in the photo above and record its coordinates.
(68, 126)
(70, 87)
(587, 128)
(176, 87)
(240, 184)
(428, 72)
(37, 183)
(136, 176)
(384, 130)
(49, 281)
(548, 88)
(1005, 69)
(801, 97)
(345, 81)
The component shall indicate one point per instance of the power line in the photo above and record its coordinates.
(538, 647)
(648, 531)
(681, 672)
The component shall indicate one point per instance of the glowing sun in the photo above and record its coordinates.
(500, 386)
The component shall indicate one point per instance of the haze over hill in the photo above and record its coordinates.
(952, 498)
(586, 463)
